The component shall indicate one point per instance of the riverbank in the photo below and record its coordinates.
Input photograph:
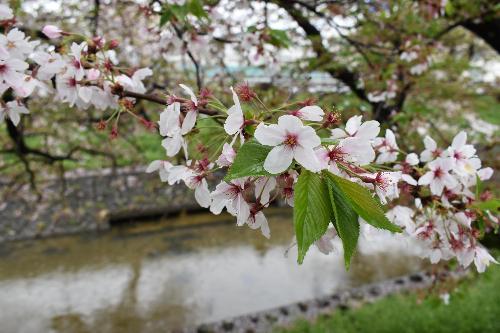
(89, 201)
(471, 305)
(298, 316)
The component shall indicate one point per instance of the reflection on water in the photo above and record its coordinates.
(152, 277)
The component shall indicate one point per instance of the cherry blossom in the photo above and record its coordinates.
(385, 184)
(163, 168)
(226, 158)
(431, 150)
(235, 120)
(482, 259)
(13, 111)
(355, 128)
(439, 177)
(439, 212)
(230, 196)
(463, 155)
(309, 112)
(6, 12)
(11, 71)
(16, 43)
(387, 147)
(291, 139)
(52, 31)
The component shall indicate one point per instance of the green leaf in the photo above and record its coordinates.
(279, 38)
(346, 220)
(329, 141)
(166, 16)
(249, 161)
(492, 205)
(449, 9)
(363, 203)
(312, 211)
(479, 187)
(195, 7)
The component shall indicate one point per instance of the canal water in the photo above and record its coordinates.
(164, 275)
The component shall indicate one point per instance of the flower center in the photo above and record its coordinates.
(291, 140)
(436, 153)
(72, 82)
(457, 155)
(438, 173)
(382, 182)
(3, 68)
(76, 63)
(336, 154)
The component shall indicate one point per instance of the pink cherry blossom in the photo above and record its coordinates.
(310, 113)
(226, 158)
(52, 31)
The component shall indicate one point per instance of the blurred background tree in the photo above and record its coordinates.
(427, 67)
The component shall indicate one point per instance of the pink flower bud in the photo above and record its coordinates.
(113, 44)
(93, 74)
(52, 31)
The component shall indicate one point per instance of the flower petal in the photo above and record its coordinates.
(271, 135)
(290, 123)
(278, 159)
(307, 158)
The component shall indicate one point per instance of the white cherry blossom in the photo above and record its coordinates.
(439, 177)
(13, 111)
(235, 120)
(387, 147)
(355, 128)
(431, 150)
(291, 140)
(310, 113)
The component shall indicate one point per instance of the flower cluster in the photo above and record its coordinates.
(442, 218)
(84, 72)
(265, 152)
(439, 181)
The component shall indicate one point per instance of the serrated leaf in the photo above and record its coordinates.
(346, 220)
(249, 161)
(312, 211)
(363, 203)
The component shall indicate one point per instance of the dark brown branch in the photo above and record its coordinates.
(313, 34)
(163, 101)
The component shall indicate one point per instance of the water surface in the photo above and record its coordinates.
(160, 276)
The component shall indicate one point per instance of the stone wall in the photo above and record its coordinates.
(89, 201)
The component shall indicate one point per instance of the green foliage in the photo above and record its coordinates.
(345, 221)
(279, 38)
(312, 211)
(487, 108)
(474, 307)
(209, 135)
(180, 12)
(492, 205)
(363, 203)
(249, 161)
